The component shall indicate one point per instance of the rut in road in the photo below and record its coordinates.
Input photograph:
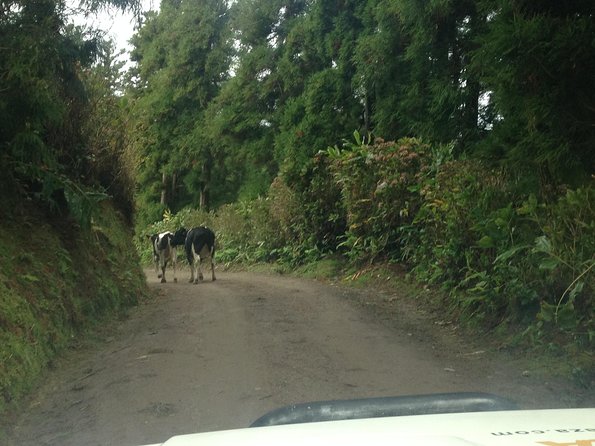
(218, 355)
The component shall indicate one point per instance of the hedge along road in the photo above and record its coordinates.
(218, 355)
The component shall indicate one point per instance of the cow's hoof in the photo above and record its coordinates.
(196, 282)
(163, 280)
(200, 278)
(191, 281)
(175, 280)
(214, 279)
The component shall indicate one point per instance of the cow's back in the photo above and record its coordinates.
(197, 239)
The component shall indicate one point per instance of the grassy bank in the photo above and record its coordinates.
(56, 282)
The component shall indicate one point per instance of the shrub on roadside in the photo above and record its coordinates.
(466, 220)
(309, 213)
(502, 254)
(380, 191)
(474, 230)
(244, 231)
(564, 255)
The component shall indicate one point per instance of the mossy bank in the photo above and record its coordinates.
(56, 282)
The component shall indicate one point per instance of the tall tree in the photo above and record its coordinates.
(440, 101)
(183, 56)
(44, 102)
(106, 127)
(241, 119)
(316, 70)
(538, 58)
(382, 74)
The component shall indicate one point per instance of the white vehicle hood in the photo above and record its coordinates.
(563, 427)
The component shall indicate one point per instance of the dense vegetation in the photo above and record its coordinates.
(228, 97)
(472, 160)
(67, 261)
(454, 137)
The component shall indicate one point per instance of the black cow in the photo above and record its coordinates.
(200, 245)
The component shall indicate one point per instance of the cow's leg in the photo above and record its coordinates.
(156, 261)
(197, 265)
(174, 255)
(192, 271)
(163, 265)
(200, 276)
(197, 262)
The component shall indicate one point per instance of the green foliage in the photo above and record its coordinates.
(58, 191)
(245, 232)
(504, 256)
(461, 210)
(56, 145)
(503, 81)
(316, 68)
(565, 256)
(106, 126)
(538, 59)
(413, 70)
(471, 236)
(380, 191)
(183, 58)
(48, 105)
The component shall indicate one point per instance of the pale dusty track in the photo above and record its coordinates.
(217, 355)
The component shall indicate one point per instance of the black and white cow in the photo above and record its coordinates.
(200, 245)
(164, 250)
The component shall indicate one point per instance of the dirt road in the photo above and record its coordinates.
(217, 355)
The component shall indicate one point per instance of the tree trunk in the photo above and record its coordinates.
(163, 189)
(366, 115)
(206, 183)
(172, 192)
